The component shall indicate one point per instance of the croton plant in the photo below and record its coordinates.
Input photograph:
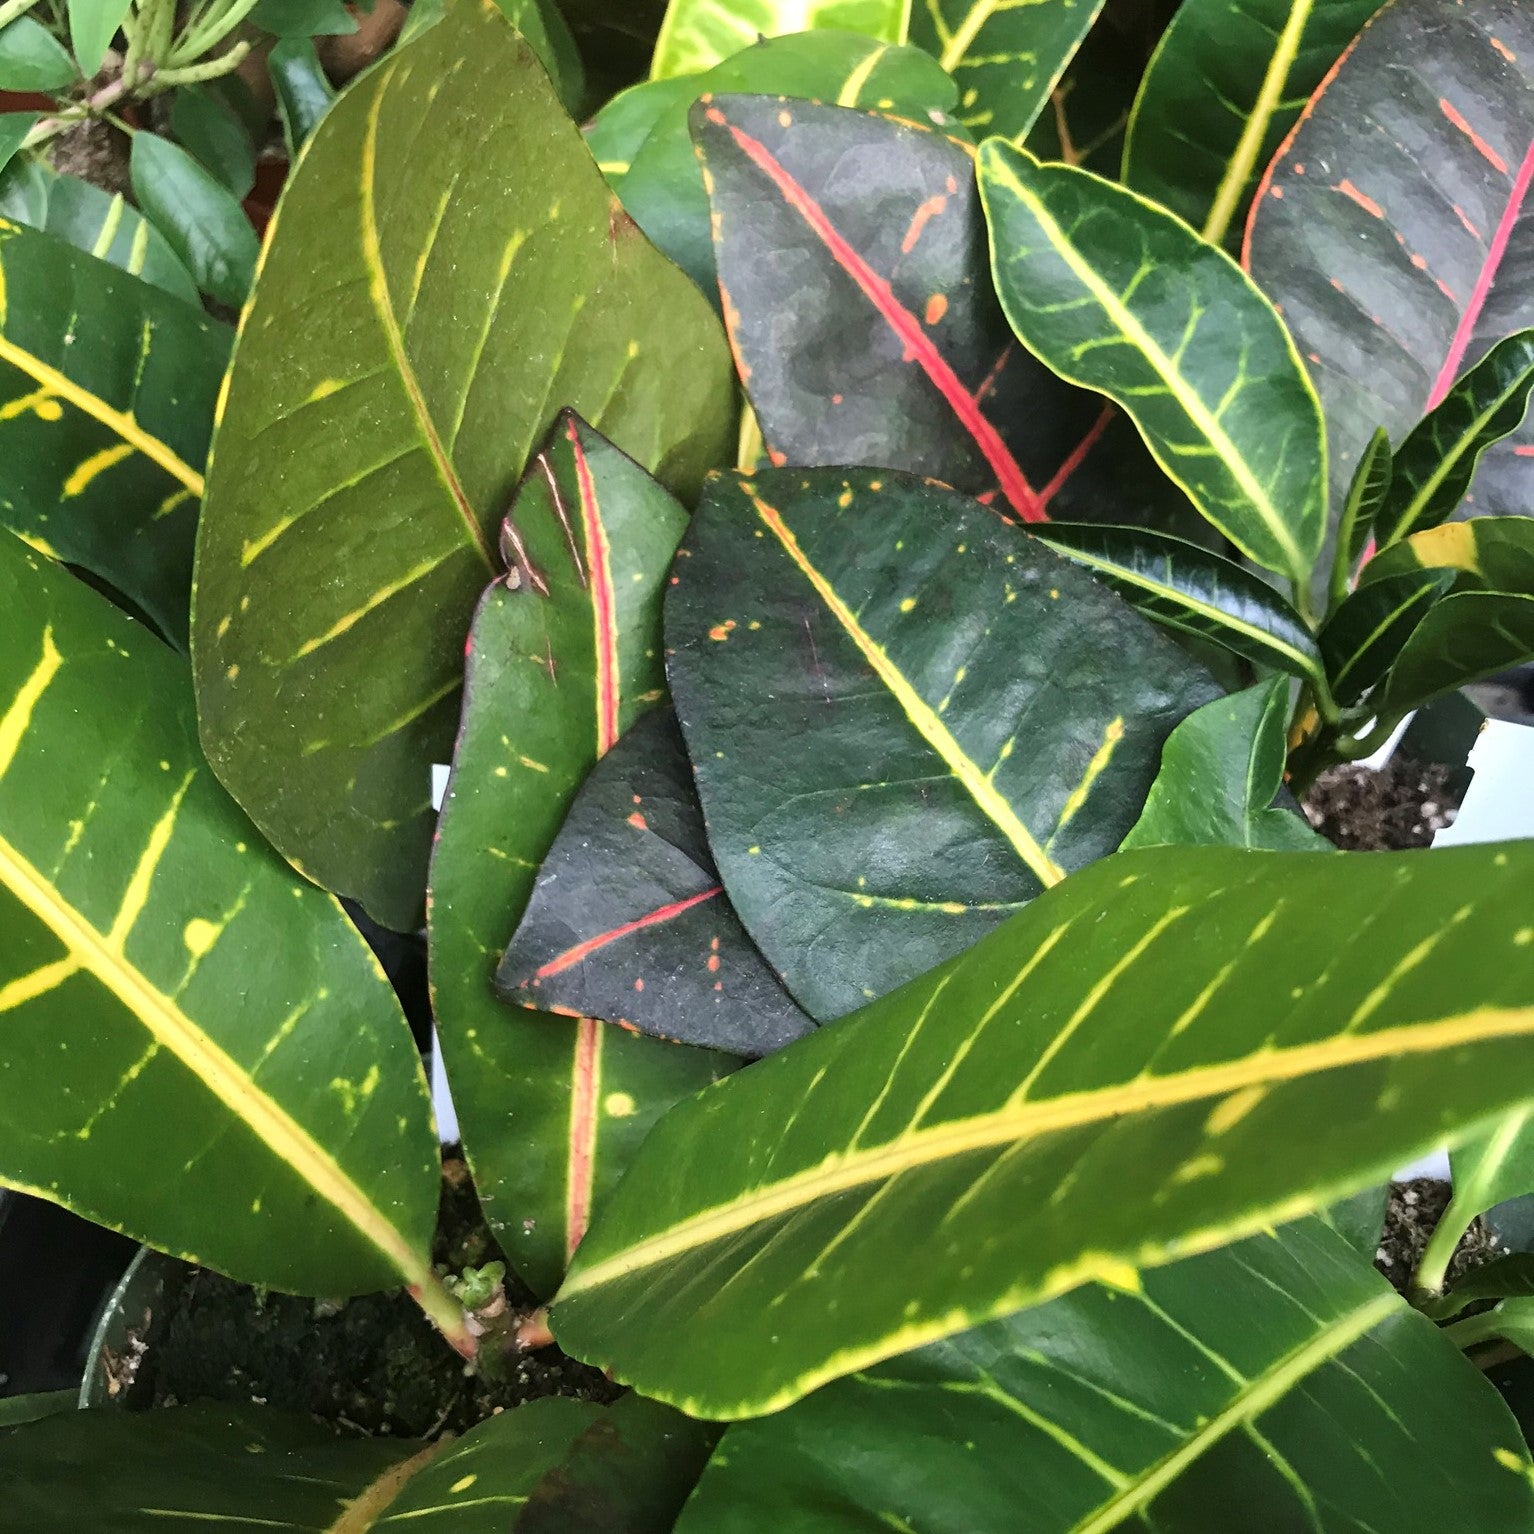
(881, 518)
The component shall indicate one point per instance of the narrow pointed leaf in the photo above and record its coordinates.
(664, 189)
(1363, 637)
(1221, 770)
(92, 26)
(1366, 494)
(1510, 1277)
(102, 446)
(985, 717)
(1435, 465)
(1092, 1089)
(1464, 637)
(1390, 227)
(629, 922)
(1186, 587)
(1226, 1384)
(455, 329)
(863, 320)
(1116, 294)
(549, 1464)
(563, 656)
(1224, 87)
(137, 900)
(1006, 58)
(697, 34)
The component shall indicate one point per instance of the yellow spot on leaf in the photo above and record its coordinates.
(200, 935)
(1233, 1109)
(722, 631)
(618, 1105)
(463, 1483)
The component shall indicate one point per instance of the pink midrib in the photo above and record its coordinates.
(604, 610)
(1009, 476)
(583, 1131)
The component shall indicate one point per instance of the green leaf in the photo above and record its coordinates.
(1465, 636)
(1117, 295)
(1389, 227)
(205, 225)
(664, 187)
(14, 128)
(1366, 494)
(551, 1463)
(564, 655)
(1006, 58)
(629, 922)
(215, 137)
(1484, 554)
(15, 1410)
(873, 334)
(304, 92)
(1223, 88)
(1186, 587)
(31, 59)
(1228, 1383)
(1095, 1088)
(101, 225)
(1510, 1277)
(102, 445)
(455, 328)
(623, 125)
(1363, 637)
(93, 25)
(543, 28)
(1436, 463)
(294, 1123)
(919, 641)
(1221, 770)
(697, 34)
(304, 18)
(1494, 1166)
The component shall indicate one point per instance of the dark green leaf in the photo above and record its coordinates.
(1186, 587)
(1390, 227)
(1005, 58)
(1465, 636)
(985, 716)
(629, 922)
(215, 137)
(1221, 770)
(1366, 494)
(1247, 1388)
(102, 444)
(304, 18)
(620, 130)
(31, 59)
(1117, 295)
(205, 225)
(1363, 637)
(1510, 1277)
(1095, 1088)
(15, 1410)
(1496, 1165)
(664, 189)
(294, 1125)
(1360, 1219)
(24, 190)
(441, 337)
(864, 324)
(304, 93)
(1482, 553)
(698, 34)
(1436, 463)
(564, 655)
(93, 25)
(1221, 92)
(14, 128)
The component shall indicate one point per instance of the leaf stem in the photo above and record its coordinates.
(444, 1312)
(14, 8)
(1473, 1330)
(196, 42)
(195, 74)
(1428, 1281)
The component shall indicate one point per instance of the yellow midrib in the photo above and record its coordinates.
(1243, 161)
(170, 1027)
(932, 729)
(1030, 1120)
(966, 33)
(1176, 386)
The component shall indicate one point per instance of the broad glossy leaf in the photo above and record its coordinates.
(92, 26)
(550, 1464)
(304, 92)
(984, 715)
(1096, 1087)
(623, 125)
(559, 664)
(102, 445)
(697, 34)
(1496, 1165)
(1366, 494)
(1221, 770)
(1434, 466)
(664, 188)
(212, 133)
(442, 336)
(1464, 637)
(1186, 587)
(1484, 553)
(1005, 57)
(853, 269)
(1117, 295)
(1363, 637)
(202, 221)
(1215, 1398)
(1224, 87)
(304, 18)
(629, 922)
(1394, 227)
(32, 59)
(14, 128)
(101, 225)
(244, 1047)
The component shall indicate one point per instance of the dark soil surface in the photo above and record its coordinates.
(373, 1364)
(1415, 1208)
(1396, 808)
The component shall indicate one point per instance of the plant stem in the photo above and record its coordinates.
(14, 8)
(197, 41)
(1427, 1282)
(1472, 1330)
(445, 1313)
(195, 74)
(1305, 602)
(51, 127)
